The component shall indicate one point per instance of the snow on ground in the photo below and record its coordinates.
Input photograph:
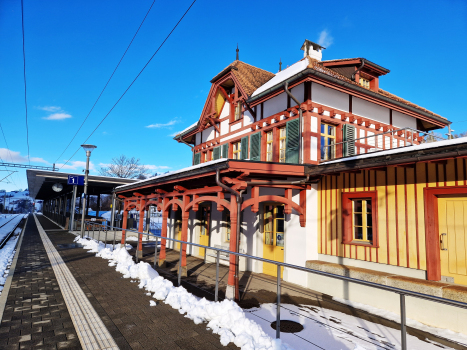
(225, 318)
(8, 223)
(329, 329)
(6, 256)
(251, 329)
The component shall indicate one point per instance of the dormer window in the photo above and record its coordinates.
(365, 83)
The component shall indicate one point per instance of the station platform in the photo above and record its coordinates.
(62, 297)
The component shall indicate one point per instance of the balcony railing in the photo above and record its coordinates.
(377, 142)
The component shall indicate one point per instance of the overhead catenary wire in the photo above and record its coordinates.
(134, 80)
(24, 75)
(108, 81)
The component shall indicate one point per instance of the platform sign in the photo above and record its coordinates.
(76, 180)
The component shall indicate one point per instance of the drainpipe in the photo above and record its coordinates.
(193, 154)
(300, 118)
(239, 207)
(358, 69)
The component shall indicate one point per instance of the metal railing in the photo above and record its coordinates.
(402, 292)
(391, 139)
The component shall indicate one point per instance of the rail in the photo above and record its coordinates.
(402, 292)
(8, 236)
(376, 142)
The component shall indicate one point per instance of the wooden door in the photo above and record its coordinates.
(274, 237)
(178, 228)
(453, 238)
(204, 229)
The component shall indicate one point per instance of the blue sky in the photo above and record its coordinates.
(73, 47)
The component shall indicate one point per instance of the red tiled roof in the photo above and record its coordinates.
(250, 77)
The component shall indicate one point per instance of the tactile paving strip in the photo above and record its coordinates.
(91, 331)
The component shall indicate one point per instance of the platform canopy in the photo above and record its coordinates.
(40, 184)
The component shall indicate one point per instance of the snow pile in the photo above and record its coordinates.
(225, 318)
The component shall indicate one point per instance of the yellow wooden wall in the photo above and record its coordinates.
(400, 206)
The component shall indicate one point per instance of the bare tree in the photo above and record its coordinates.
(124, 167)
(462, 134)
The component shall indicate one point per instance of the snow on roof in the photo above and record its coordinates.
(402, 150)
(202, 165)
(283, 75)
(184, 130)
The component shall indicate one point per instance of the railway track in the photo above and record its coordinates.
(5, 239)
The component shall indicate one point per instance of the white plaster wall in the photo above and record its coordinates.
(370, 110)
(311, 228)
(246, 131)
(313, 148)
(198, 138)
(225, 110)
(248, 118)
(403, 120)
(224, 127)
(329, 97)
(295, 245)
(275, 104)
(208, 134)
(299, 93)
(236, 126)
(314, 124)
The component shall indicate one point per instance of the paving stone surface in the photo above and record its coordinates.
(35, 316)
(125, 309)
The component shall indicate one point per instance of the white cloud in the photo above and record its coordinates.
(325, 38)
(160, 125)
(76, 164)
(175, 133)
(50, 108)
(156, 167)
(16, 157)
(58, 116)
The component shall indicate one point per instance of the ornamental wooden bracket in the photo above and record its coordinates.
(214, 123)
(195, 206)
(252, 112)
(122, 197)
(333, 113)
(220, 195)
(352, 119)
(160, 191)
(360, 121)
(179, 188)
(240, 186)
(137, 194)
(225, 94)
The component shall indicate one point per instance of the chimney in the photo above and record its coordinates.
(312, 49)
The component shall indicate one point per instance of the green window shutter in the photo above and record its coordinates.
(255, 147)
(216, 153)
(225, 150)
(348, 132)
(244, 145)
(197, 159)
(292, 141)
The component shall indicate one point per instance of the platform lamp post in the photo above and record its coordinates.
(88, 149)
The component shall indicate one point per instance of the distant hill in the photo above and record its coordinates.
(17, 202)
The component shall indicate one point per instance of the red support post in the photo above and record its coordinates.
(139, 251)
(162, 254)
(233, 244)
(124, 224)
